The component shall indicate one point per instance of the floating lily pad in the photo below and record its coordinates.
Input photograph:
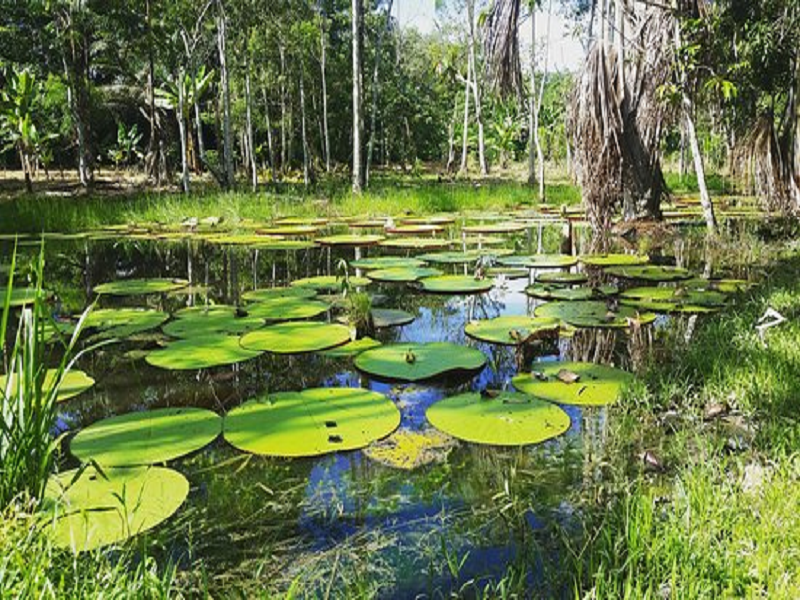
(402, 274)
(539, 261)
(429, 220)
(290, 230)
(676, 295)
(415, 243)
(287, 245)
(350, 240)
(562, 277)
(232, 239)
(596, 384)
(387, 262)
(351, 349)
(318, 221)
(278, 292)
(416, 362)
(593, 314)
(725, 286)
(390, 317)
(556, 292)
(146, 437)
(409, 450)
(507, 272)
(509, 419)
(212, 322)
(513, 330)
(312, 422)
(287, 309)
(296, 337)
(509, 227)
(124, 322)
(482, 240)
(650, 273)
(368, 223)
(101, 509)
(206, 310)
(201, 353)
(452, 258)
(613, 260)
(328, 283)
(669, 307)
(456, 284)
(415, 229)
(136, 287)
(73, 383)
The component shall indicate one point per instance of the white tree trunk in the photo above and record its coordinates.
(476, 89)
(705, 198)
(539, 151)
(465, 132)
(306, 158)
(532, 117)
(182, 132)
(322, 63)
(374, 109)
(227, 133)
(358, 100)
(270, 145)
(283, 107)
(249, 119)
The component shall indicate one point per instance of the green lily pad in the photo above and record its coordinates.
(213, 322)
(287, 309)
(613, 260)
(287, 245)
(278, 292)
(351, 349)
(296, 337)
(596, 385)
(95, 511)
(318, 221)
(312, 422)
(507, 272)
(415, 229)
(416, 362)
(402, 274)
(201, 353)
(556, 292)
(390, 317)
(146, 437)
(650, 273)
(290, 230)
(124, 322)
(513, 330)
(482, 240)
(73, 383)
(562, 277)
(592, 314)
(539, 261)
(206, 310)
(368, 223)
(429, 220)
(233, 239)
(387, 262)
(456, 284)
(676, 295)
(669, 307)
(136, 287)
(724, 286)
(350, 240)
(328, 283)
(451, 258)
(509, 419)
(491, 228)
(415, 243)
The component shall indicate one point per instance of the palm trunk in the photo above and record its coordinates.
(358, 101)
(227, 132)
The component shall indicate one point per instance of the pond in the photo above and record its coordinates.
(427, 514)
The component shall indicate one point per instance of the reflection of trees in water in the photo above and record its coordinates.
(593, 345)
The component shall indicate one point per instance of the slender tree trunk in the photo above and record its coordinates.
(374, 110)
(358, 101)
(152, 160)
(270, 145)
(322, 66)
(451, 139)
(465, 131)
(227, 132)
(249, 118)
(532, 116)
(476, 89)
(26, 170)
(182, 133)
(282, 51)
(307, 176)
(539, 152)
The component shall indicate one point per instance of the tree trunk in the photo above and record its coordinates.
(152, 160)
(532, 116)
(282, 51)
(26, 170)
(358, 101)
(182, 132)
(270, 145)
(465, 131)
(227, 132)
(249, 119)
(539, 152)
(374, 109)
(322, 63)
(451, 139)
(307, 175)
(476, 89)
(705, 198)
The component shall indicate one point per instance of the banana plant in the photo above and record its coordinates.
(17, 101)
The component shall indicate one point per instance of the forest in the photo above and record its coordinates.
(310, 298)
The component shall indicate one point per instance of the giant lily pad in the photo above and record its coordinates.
(650, 273)
(213, 322)
(390, 317)
(287, 245)
(350, 240)
(287, 309)
(456, 284)
(312, 422)
(593, 314)
(562, 277)
(429, 220)
(724, 286)
(73, 383)
(136, 287)
(455, 258)
(676, 295)
(408, 450)
(351, 349)
(402, 274)
(539, 261)
(509, 419)
(415, 243)
(508, 227)
(201, 353)
(290, 230)
(146, 437)
(613, 260)
(556, 292)
(124, 322)
(97, 509)
(328, 283)
(595, 384)
(387, 262)
(416, 362)
(507, 273)
(278, 292)
(415, 229)
(296, 337)
(513, 330)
